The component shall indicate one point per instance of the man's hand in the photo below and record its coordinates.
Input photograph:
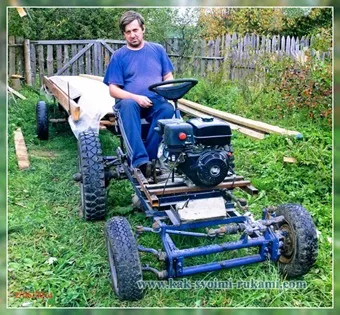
(143, 101)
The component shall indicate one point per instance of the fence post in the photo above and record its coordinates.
(11, 56)
(27, 60)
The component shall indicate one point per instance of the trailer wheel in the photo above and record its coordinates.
(300, 248)
(124, 261)
(41, 111)
(92, 183)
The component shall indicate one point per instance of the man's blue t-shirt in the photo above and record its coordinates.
(135, 70)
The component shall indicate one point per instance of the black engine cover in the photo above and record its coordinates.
(206, 169)
(211, 131)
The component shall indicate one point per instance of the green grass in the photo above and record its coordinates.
(44, 221)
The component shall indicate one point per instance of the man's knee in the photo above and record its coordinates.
(167, 110)
(128, 105)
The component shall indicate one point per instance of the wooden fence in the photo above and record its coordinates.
(237, 55)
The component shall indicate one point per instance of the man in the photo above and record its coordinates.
(132, 69)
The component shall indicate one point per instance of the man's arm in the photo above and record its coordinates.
(117, 92)
(168, 76)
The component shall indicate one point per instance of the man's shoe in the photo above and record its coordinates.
(146, 169)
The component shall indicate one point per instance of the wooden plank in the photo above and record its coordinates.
(93, 77)
(16, 93)
(88, 62)
(210, 54)
(202, 61)
(107, 47)
(59, 57)
(33, 64)
(11, 55)
(287, 159)
(49, 60)
(67, 63)
(81, 61)
(250, 189)
(186, 189)
(217, 54)
(254, 124)
(69, 105)
(100, 59)
(152, 198)
(40, 50)
(20, 56)
(27, 59)
(21, 150)
(64, 69)
(74, 67)
(95, 59)
(107, 58)
(69, 90)
(248, 132)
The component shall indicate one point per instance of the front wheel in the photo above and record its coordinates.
(125, 266)
(92, 183)
(300, 246)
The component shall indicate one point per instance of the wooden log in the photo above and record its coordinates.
(246, 131)
(11, 55)
(254, 124)
(27, 60)
(49, 60)
(21, 150)
(68, 104)
(33, 64)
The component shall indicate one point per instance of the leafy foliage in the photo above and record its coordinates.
(266, 21)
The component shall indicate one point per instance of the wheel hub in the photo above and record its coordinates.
(287, 251)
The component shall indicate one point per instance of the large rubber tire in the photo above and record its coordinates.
(124, 261)
(41, 111)
(92, 184)
(300, 248)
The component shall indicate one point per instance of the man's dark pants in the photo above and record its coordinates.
(129, 115)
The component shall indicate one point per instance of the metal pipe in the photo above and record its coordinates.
(214, 266)
(217, 248)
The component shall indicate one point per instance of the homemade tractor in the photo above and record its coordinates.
(189, 193)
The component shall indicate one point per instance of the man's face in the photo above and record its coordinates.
(134, 34)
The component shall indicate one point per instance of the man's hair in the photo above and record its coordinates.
(128, 17)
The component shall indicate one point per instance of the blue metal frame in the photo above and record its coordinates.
(268, 242)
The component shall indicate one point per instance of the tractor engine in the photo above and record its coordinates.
(199, 148)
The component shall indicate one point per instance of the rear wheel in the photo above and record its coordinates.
(92, 183)
(300, 248)
(125, 266)
(42, 120)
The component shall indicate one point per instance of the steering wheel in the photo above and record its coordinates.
(173, 89)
